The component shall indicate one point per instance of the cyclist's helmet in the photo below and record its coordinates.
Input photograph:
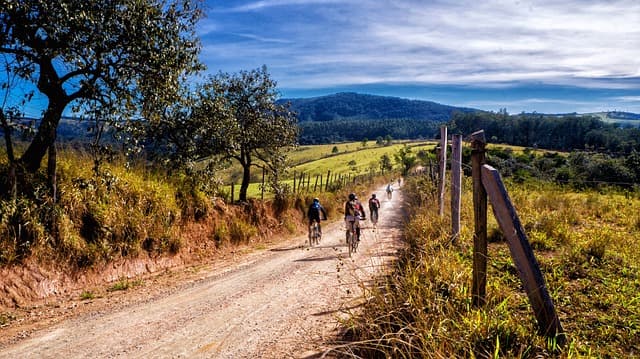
(352, 196)
(316, 200)
(373, 195)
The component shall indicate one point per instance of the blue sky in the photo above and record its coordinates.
(544, 56)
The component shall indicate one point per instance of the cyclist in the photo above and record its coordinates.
(389, 190)
(315, 213)
(374, 205)
(353, 213)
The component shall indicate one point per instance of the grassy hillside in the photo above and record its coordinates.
(351, 158)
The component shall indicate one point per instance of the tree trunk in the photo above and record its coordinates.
(12, 182)
(246, 177)
(44, 138)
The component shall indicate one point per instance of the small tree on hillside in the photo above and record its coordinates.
(405, 159)
(258, 130)
(385, 163)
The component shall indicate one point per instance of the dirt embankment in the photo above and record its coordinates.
(283, 300)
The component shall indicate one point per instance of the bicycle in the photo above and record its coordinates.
(352, 238)
(374, 219)
(314, 234)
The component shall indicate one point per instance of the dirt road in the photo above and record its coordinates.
(280, 302)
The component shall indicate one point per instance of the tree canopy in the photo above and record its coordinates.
(109, 59)
(259, 130)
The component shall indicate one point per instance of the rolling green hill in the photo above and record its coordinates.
(354, 106)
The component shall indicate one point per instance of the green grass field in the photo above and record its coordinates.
(317, 160)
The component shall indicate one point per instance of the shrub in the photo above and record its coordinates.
(240, 231)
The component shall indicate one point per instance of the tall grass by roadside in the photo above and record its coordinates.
(586, 244)
(121, 211)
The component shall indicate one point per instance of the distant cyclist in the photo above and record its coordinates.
(389, 190)
(353, 213)
(315, 213)
(374, 205)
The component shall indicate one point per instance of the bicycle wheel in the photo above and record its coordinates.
(350, 240)
(354, 242)
(316, 234)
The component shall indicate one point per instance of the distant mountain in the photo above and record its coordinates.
(69, 128)
(354, 106)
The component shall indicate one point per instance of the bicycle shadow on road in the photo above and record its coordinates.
(285, 249)
(316, 259)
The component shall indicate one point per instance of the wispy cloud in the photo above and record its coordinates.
(324, 43)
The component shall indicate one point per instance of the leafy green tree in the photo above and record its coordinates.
(388, 140)
(405, 158)
(186, 137)
(364, 142)
(385, 163)
(335, 149)
(633, 164)
(107, 59)
(258, 130)
(379, 141)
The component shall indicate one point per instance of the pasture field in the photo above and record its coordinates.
(315, 160)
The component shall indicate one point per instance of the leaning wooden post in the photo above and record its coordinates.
(443, 168)
(456, 185)
(315, 185)
(522, 255)
(479, 286)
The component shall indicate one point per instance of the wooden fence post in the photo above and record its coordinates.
(326, 186)
(456, 185)
(443, 168)
(522, 255)
(479, 286)
(316, 184)
(294, 182)
(301, 183)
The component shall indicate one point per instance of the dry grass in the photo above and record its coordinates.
(586, 244)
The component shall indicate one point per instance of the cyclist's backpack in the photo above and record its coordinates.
(373, 203)
(353, 209)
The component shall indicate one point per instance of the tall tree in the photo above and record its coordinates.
(259, 130)
(107, 58)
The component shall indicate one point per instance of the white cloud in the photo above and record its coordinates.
(325, 43)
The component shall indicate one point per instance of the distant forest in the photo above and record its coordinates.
(354, 106)
(564, 133)
(351, 116)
